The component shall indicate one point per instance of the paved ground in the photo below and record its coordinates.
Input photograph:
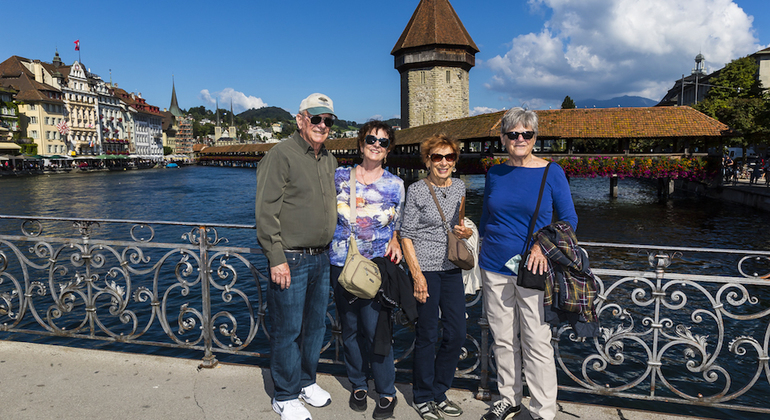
(743, 184)
(40, 381)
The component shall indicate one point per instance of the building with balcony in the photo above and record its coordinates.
(81, 101)
(42, 107)
(144, 125)
(9, 118)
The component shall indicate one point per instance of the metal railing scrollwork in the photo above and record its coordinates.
(698, 336)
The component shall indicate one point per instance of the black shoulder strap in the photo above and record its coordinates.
(537, 209)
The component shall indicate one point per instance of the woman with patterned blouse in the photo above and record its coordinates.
(379, 200)
(438, 284)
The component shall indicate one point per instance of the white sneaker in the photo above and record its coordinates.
(291, 410)
(315, 396)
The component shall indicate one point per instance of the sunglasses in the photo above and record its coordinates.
(384, 143)
(526, 135)
(316, 119)
(436, 158)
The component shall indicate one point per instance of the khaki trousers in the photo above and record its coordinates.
(516, 319)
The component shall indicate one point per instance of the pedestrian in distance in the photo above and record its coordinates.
(756, 170)
(379, 201)
(438, 283)
(516, 315)
(296, 216)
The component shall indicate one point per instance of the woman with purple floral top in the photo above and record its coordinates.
(379, 200)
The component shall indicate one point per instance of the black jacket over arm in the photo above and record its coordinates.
(396, 291)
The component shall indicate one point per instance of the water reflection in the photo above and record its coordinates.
(226, 195)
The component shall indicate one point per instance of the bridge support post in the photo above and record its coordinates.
(614, 186)
(665, 187)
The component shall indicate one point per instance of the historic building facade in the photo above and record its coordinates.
(81, 108)
(434, 56)
(179, 134)
(69, 110)
(40, 104)
(9, 118)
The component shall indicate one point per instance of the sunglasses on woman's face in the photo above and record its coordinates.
(526, 135)
(316, 119)
(384, 143)
(436, 158)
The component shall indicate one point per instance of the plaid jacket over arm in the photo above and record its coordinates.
(570, 286)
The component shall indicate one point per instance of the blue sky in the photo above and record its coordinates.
(275, 53)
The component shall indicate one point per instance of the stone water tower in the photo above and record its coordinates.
(434, 56)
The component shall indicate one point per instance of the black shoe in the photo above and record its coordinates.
(384, 409)
(428, 411)
(502, 410)
(357, 400)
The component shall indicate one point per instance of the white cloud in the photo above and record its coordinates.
(241, 102)
(483, 110)
(606, 48)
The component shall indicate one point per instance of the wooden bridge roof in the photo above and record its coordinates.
(332, 144)
(603, 123)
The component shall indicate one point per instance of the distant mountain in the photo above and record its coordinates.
(623, 102)
(393, 122)
(279, 114)
(273, 112)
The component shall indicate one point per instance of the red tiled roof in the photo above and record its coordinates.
(434, 22)
(14, 74)
(614, 123)
(139, 104)
(242, 148)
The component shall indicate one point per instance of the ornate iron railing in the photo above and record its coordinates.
(692, 338)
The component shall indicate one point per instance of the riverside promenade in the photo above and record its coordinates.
(39, 381)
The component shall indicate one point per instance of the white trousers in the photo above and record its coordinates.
(517, 322)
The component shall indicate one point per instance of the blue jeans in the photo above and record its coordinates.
(297, 318)
(359, 322)
(435, 370)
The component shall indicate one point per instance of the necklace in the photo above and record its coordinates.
(442, 190)
(363, 178)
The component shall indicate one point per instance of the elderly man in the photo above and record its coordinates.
(296, 217)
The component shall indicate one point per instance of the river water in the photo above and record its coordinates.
(226, 195)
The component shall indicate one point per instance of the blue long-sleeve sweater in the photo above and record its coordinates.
(510, 196)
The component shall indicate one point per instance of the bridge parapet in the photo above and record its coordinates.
(693, 336)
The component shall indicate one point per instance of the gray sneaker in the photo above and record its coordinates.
(502, 410)
(449, 408)
(428, 411)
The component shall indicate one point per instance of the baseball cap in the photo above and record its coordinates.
(317, 104)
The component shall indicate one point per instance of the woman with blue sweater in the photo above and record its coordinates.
(516, 314)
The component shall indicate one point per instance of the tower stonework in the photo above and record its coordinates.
(434, 56)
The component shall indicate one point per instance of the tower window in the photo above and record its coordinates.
(422, 77)
(447, 76)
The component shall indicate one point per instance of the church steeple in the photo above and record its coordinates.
(233, 133)
(174, 108)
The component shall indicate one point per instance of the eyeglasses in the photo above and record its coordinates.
(436, 158)
(316, 119)
(526, 135)
(384, 143)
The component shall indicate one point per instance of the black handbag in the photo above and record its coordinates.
(525, 277)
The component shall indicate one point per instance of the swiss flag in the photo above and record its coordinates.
(77, 45)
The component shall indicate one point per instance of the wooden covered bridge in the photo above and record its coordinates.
(652, 132)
